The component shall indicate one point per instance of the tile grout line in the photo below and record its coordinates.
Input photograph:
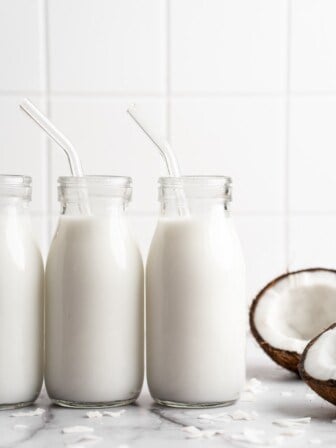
(114, 95)
(48, 107)
(44, 155)
(287, 134)
(168, 73)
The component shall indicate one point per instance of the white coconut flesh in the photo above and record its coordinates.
(296, 308)
(320, 360)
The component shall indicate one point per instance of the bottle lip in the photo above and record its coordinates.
(16, 185)
(196, 187)
(103, 186)
(94, 180)
(210, 180)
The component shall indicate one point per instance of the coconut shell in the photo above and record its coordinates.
(287, 359)
(325, 389)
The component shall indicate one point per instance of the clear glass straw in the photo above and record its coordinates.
(75, 164)
(168, 156)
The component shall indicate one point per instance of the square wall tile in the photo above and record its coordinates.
(312, 155)
(107, 46)
(109, 142)
(239, 137)
(23, 147)
(263, 243)
(225, 45)
(312, 241)
(21, 45)
(313, 45)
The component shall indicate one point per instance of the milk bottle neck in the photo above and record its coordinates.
(94, 195)
(15, 194)
(195, 196)
(96, 207)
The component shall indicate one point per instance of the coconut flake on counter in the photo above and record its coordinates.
(286, 393)
(76, 429)
(36, 412)
(226, 417)
(315, 441)
(195, 433)
(292, 432)
(223, 416)
(292, 422)
(243, 415)
(114, 414)
(255, 386)
(94, 414)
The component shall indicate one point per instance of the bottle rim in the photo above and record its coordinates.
(103, 186)
(211, 180)
(88, 180)
(16, 185)
(196, 187)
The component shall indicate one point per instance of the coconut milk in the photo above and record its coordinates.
(21, 310)
(94, 313)
(196, 311)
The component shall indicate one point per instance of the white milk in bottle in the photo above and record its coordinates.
(196, 308)
(21, 297)
(94, 297)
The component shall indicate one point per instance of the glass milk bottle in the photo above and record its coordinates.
(196, 305)
(21, 297)
(94, 297)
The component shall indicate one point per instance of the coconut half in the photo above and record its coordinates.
(318, 364)
(291, 310)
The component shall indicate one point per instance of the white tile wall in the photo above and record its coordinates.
(22, 46)
(240, 87)
(107, 46)
(312, 179)
(313, 241)
(228, 45)
(240, 137)
(313, 45)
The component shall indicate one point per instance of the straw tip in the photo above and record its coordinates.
(131, 108)
(24, 103)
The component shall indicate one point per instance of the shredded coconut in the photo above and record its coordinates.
(76, 429)
(34, 413)
(292, 422)
(114, 414)
(223, 416)
(195, 433)
(20, 426)
(243, 415)
(315, 441)
(94, 414)
(254, 386)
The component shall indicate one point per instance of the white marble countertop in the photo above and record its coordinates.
(148, 425)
